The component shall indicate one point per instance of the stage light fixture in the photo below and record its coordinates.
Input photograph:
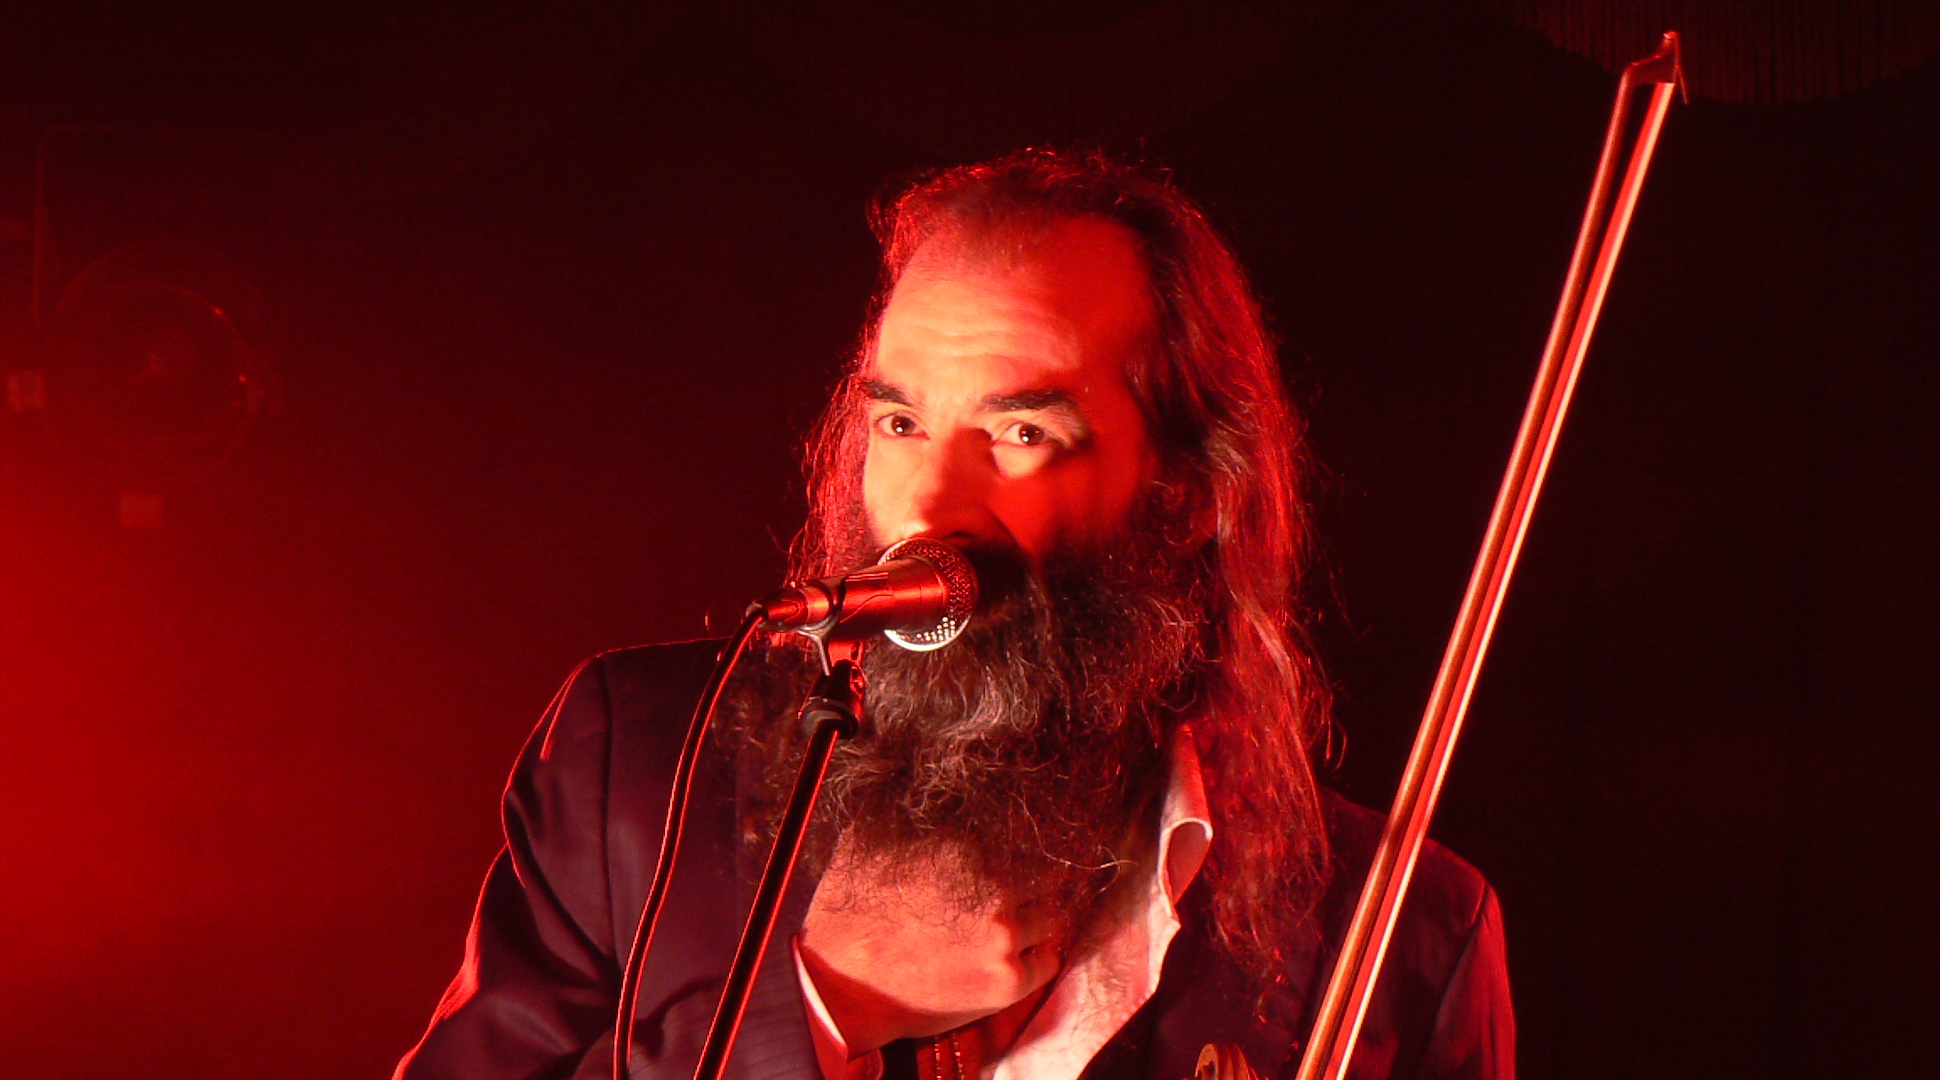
(154, 355)
(153, 367)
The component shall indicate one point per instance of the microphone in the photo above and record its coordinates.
(920, 595)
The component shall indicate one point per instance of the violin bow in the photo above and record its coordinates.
(1331, 1044)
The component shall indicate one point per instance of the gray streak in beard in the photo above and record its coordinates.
(1031, 750)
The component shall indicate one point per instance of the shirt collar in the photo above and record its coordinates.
(1105, 985)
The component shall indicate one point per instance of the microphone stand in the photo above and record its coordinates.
(832, 711)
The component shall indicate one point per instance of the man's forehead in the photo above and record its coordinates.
(959, 358)
(1077, 303)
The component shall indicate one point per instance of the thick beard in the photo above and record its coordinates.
(1025, 757)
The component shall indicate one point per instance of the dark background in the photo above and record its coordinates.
(554, 297)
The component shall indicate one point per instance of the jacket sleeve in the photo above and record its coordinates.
(1475, 1027)
(536, 992)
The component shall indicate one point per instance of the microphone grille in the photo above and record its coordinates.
(959, 589)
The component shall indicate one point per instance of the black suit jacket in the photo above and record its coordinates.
(584, 811)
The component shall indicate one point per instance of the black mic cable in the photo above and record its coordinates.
(920, 595)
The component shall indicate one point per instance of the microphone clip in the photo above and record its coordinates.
(836, 697)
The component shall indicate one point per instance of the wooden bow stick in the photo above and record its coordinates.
(1331, 1044)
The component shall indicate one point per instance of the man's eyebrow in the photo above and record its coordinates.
(1048, 399)
(882, 391)
(1033, 401)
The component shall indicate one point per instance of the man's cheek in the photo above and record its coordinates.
(1053, 506)
(1028, 512)
(873, 510)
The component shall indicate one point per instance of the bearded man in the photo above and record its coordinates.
(1085, 839)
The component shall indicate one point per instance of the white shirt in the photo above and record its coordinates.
(1093, 997)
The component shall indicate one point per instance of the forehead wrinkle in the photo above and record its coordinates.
(986, 312)
(946, 317)
(1024, 278)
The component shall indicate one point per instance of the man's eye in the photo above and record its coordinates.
(1028, 435)
(897, 424)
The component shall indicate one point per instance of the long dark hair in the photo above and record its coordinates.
(1232, 462)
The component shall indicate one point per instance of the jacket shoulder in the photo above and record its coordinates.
(1445, 888)
(641, 695)
(1441, 1007)
(637, 698)
(677, 668)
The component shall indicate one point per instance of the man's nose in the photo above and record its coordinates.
(949, 491)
